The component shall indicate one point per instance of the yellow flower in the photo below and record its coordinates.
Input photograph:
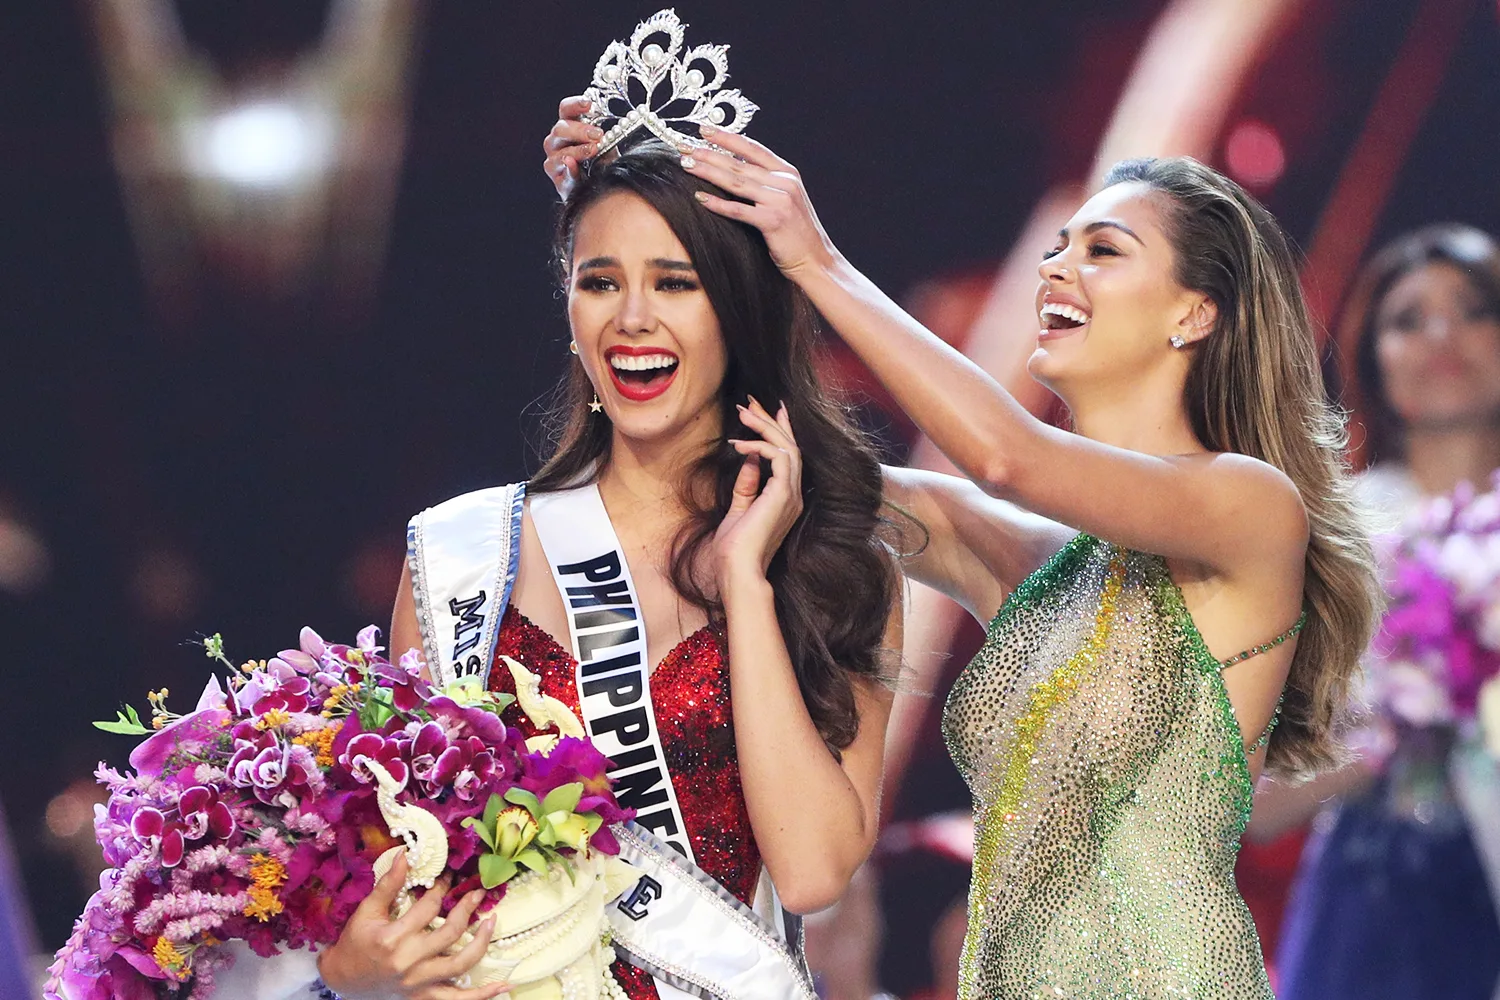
(172, 961)
(263, 904)
(266, 871)
(266, 875)
(515, 829)
(571, 829)
(273, 719)
(321, 742)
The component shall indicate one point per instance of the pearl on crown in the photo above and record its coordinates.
(664, 72)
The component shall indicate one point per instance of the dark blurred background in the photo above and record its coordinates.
(274, 276)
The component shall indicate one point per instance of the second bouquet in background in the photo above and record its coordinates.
(267, 813)
(1437, 654)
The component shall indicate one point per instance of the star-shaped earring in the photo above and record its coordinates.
(596, 406)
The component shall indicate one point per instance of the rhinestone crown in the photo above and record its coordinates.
(627, 79)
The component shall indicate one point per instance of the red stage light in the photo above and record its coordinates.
(1254, 154)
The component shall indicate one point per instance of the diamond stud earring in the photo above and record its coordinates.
(1177, 341)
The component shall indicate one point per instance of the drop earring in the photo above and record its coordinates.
(596, 406)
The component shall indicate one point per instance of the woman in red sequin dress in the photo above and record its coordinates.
(753, 534)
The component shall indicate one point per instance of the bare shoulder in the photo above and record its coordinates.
(1268, 512)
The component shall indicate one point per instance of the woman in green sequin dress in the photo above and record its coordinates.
(1198, 508)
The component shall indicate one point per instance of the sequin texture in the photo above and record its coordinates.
(1110, 787)
(690, 693)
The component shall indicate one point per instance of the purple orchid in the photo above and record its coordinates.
(458, 720)
(203, 812)
(424, 744)
(279, 685)
(468, 766)
(275, 772)
(373, 746)
(408, 690)
(150, 827)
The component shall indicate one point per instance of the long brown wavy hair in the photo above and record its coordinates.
(834, 578)
(1471, 251)
(1255, 387)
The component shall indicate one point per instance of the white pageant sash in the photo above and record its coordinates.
(608, 633)
(463, 555)
(661, 926)
(695, 938)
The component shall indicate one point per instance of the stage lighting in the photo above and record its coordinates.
(1254, 154)
(266, 144)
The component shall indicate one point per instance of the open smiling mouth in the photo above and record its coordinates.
(1059, 319)
(640, 377)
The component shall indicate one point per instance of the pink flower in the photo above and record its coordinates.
(275, 771)
(373, 746)
(279, 685)
(468, 766)
(194, 729)
(151, 828)
(408, 690)
(202, 813)
(424, 748)
(457, 721)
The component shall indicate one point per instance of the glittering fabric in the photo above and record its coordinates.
(690, 692)
(1110, 788)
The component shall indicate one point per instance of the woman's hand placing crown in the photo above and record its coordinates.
(775, 201)
(571, 142)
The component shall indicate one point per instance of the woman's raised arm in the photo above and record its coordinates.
(1218, 510)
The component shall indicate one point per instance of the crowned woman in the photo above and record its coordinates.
(698, 570)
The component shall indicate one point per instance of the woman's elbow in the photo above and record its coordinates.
(995, 474)
(813, 884)
(809, 894)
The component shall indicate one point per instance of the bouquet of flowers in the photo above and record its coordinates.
(1437, 654)
(266, 814)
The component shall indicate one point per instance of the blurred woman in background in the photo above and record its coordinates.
(1395, 897)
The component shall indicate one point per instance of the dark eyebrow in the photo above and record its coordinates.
(1106, 224)
(1094, 227)
(659, 263)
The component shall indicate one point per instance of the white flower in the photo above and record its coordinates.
(1489, 715)
(1412, 693)
(1481, 515)
(1471, 562)
(1488, 626)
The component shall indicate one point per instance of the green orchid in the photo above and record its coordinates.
(530, 833)
(469, 692)
(508, 833)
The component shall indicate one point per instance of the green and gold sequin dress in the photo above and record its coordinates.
(1111, 788)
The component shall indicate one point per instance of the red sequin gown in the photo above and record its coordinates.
(690, 692)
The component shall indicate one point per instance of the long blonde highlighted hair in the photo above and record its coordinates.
(1255, 387)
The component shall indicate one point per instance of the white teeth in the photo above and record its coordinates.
(641, 362)
(1065, 311)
